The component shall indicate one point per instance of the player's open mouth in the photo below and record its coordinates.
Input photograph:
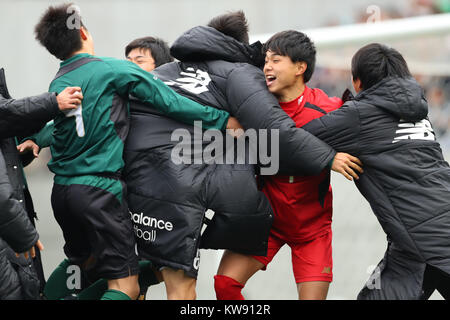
(270, 79)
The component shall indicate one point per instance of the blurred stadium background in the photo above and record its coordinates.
(358, 240)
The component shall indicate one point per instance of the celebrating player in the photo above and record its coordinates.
(302, 205)
(406, 179)
(89, 196)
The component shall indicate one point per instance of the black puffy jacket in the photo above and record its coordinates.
(168, 201)
(406, 180)
(19, 278)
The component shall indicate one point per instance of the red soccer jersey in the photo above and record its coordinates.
(302, 205)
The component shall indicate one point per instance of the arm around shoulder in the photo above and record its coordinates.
(300, 153)
(130, 79)
(340, 128)
(25, 116)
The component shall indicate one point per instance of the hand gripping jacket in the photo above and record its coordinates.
(168, 200)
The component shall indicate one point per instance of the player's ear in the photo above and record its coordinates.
(357, 85)
(301, 67)
(83, 33)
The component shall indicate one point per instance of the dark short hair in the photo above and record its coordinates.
(233, 24)
(374, 62)
(56, 34)
(295, 45)
(158, 49)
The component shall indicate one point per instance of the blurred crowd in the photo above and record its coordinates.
(437, 87)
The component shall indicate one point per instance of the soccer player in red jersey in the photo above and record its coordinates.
(302, 205)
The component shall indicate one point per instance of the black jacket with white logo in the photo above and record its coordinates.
(214, 70)
(406, 179)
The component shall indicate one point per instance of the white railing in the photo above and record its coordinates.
(362, 33)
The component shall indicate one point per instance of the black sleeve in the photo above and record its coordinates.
(340, 129)
(15, 226)
(23, 117)
(300, 153)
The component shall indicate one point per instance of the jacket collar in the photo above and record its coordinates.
(74, 58)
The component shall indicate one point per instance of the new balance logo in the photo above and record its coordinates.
(421, 130)
(194, 81)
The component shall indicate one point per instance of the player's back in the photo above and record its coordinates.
(89, 139)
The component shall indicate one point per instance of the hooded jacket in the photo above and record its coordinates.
(17, 233)
(406, 179)
(219, 71)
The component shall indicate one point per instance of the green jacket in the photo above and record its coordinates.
(90, 139)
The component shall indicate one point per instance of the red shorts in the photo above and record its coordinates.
(311, 260)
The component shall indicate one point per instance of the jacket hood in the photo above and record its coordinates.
(403, 97)
(205, 43)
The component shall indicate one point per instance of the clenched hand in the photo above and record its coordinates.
(69, 98)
